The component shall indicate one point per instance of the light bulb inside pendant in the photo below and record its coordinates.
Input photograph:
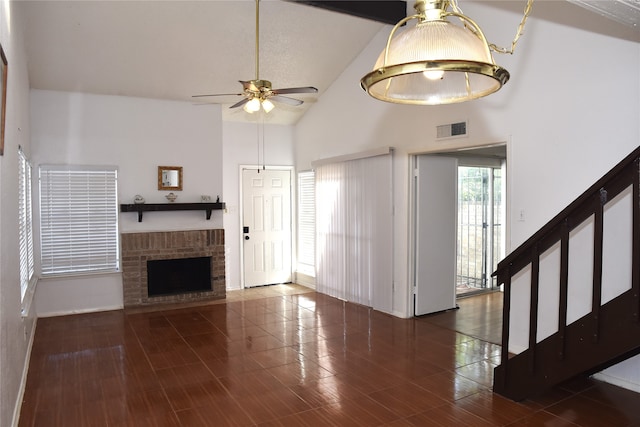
(433, 74)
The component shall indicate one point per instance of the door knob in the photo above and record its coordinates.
(246, 237)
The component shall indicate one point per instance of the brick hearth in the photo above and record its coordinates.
(138, 248)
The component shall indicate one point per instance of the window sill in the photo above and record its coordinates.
(46, 276)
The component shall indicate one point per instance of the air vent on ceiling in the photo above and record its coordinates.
(450, 130)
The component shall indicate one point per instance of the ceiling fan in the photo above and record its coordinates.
(258, 94)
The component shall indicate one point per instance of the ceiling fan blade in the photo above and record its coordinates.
(217, 94)
(306, 89)
(286, 100)
(240, 103)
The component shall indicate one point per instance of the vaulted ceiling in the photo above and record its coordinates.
(175, 49)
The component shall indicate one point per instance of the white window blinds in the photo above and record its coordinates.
(79, 219)
(25, 227)
(306, 223)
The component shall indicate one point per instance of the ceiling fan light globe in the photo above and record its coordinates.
(267, 105)
(252, 106)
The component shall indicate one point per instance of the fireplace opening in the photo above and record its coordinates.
(178, 276)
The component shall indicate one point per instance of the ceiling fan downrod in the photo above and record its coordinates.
(257, 40)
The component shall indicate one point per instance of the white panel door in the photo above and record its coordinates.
(266, 205)
(436, 222)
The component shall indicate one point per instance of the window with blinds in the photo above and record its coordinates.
(78, 219)
(25, 227)
(306, 223)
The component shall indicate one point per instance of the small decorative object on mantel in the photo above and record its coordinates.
(138, 200)
(218, 199)
(171, 197)
(205, 198)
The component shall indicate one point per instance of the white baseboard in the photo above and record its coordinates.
(88, 310)
(400, 314)
(306, 280)
(23, 382)
(620, 382)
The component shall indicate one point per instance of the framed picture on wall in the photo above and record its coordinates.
(3, 96)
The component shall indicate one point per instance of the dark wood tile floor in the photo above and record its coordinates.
(479, 316)
(288, 357)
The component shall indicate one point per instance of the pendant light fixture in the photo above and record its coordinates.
(438, 61)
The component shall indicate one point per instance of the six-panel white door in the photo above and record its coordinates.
(266, 215)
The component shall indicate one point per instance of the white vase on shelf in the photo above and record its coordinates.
(171, 197)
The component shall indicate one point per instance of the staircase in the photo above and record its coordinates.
(606, 335)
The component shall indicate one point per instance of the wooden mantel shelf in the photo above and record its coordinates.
(149, 207)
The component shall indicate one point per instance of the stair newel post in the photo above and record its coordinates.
(564, 287)
(596, 302)
(504, 277)
(635, 273)
(533, 306)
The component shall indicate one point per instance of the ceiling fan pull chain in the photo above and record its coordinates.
(258, 139)
(263, 143)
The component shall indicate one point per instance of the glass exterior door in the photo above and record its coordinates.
(480, 211)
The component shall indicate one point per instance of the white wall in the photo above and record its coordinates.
(241, 149)
(135, 135)
(16, 332)
(60, 296)
(566, 115)
(557, 124)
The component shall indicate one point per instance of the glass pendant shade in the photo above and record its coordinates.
(435, 62)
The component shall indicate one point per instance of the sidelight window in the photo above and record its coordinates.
(307, 223)
(25, 225)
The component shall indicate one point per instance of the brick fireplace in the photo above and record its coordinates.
(138, 248)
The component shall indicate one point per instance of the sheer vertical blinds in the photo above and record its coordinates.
(306, 223)
(79, 219)
(354, 220)
(25, 225)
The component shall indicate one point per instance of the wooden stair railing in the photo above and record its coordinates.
(608, 334)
